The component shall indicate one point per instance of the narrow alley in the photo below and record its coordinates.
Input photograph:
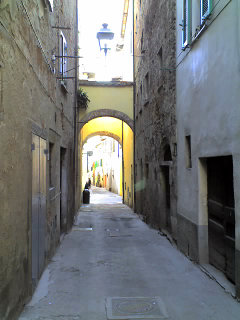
(135, 102)
(113, 266)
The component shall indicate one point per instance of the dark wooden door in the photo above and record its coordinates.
(221, 215)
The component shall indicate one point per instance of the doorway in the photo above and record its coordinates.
(38, 206)
(221, 215)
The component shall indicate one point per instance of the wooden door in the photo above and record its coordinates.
(221, 215)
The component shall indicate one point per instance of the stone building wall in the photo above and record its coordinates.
(33, 101)
(155, 118)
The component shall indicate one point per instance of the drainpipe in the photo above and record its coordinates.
(75, 144)
(123, 194)
(238, 33)
(134, 100)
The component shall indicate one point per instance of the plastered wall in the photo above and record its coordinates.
(32, 100)
(208, 76)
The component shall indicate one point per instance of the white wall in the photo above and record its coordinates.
(208, 104)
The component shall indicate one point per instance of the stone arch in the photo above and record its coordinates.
(103, 133)
(106, 113)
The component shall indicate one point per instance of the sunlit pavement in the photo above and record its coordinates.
(101, 195)
(111, 253)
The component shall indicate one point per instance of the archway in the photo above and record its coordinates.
(106, 113)
(121, 131)
(102, 163)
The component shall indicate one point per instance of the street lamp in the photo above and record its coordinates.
(104, 37)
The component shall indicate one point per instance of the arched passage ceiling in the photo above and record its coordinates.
(107, 126)
(103, 133)
(106, 113)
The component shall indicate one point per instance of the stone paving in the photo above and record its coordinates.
(113, 266)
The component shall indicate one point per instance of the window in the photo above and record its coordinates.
(49, 3)
(50, 155)
(186, 23)
(188, 152)
(142, 49)
(206, 8)
(160, 57)
(146, 87)
(62, 54)
(141, 91)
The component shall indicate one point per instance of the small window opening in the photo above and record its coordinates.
(147, 170)
(51, 147)
(146, 86)
(160, 57)
(188, 151)
(167, 153)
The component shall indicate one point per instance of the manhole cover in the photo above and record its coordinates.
(135, 308)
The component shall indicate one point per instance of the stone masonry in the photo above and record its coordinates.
(155, 119)
(33, 102)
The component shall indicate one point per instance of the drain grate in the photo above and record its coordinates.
(135, 308)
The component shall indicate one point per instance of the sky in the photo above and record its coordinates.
(92, 14)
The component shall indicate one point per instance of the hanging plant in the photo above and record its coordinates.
(82, 99)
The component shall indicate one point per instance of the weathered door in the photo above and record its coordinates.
(38, 206)
(221, 215)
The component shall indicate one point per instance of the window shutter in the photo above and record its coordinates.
(50, 4)
(206, 8)
(186, 23)
(62, 54)
(65, 54)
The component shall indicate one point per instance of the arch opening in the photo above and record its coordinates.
(117, 177)
(102, 163)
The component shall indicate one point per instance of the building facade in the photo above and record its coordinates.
(208, 77)
(155, 114)
(109, 113)
(37, 107)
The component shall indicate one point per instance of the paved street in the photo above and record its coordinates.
(110, 253)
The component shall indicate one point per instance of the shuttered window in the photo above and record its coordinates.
(63, 54)
(51, 5)
(206, 8)
(186, 23)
